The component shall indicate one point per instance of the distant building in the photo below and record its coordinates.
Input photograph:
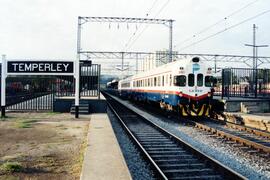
(156, 59)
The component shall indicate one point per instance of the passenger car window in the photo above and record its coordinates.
(180, 80)
(191, 80)
(200, 80)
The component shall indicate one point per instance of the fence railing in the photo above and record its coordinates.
(243, 82)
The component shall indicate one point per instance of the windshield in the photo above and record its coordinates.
(191, 80)
(200, 80)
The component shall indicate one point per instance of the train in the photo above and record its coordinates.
(185, 86)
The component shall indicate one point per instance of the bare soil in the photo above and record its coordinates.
(46, 145)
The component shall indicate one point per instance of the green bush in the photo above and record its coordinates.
(11, 167)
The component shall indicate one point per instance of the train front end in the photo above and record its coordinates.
(194, 83)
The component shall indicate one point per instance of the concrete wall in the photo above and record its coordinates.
(235, 106)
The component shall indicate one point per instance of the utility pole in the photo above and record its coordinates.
(255, 57)
(255, 48)
(170, 40)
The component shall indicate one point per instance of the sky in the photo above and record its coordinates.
(47, 29)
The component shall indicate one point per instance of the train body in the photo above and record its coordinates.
(185, 86)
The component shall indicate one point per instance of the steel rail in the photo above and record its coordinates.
(160, 173)
(223, 171)
(230, 136)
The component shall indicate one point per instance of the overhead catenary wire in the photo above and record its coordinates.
(216, 23)
(231, 27)
(137, 28)
(139, 35)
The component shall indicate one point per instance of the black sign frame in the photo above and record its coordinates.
(40, 67)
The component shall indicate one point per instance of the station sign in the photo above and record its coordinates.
(40, 67)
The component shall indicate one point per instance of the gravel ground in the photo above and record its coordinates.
(250, 166)
(258, 163)
(137, 166)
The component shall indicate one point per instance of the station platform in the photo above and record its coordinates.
(257, 120)
(245, 104)
(241, 98)
(103, 158)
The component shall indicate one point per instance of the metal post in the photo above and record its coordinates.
(3, 86)
(77, 70)
(170, 39)
(77, 86)
(99, 69)
(136, 63)
(254, 46)
(256, 71)
(215, 63)
(255, 60)
(223, 83)
(79, 37)
(122, 64)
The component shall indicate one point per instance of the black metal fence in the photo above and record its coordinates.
(89, 80)
(243, 82)
(29, 93)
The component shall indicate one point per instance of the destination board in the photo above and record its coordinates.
(61, 67)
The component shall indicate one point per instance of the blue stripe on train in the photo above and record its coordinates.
(171, 99)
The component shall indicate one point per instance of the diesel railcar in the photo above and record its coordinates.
(185, 86)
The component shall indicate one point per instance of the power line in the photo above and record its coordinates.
(219, 32)
(139, 35)
(137, 28)
(218, 22)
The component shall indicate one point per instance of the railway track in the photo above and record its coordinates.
(169, 156)
(249, 137)
(255, 140)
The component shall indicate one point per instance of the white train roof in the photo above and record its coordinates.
(170, 67)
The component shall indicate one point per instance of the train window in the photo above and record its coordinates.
(180, 80)
(158, 81)
(166, 78)
(170, 79)
(191, 80)
(200, 80)
(208, 81)
(162, 80)
(155, 81)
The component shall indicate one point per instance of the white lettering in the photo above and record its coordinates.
(15, 64)
(34, 66)
(47, 66)
(41, 68)
(21, 67)
(28, 67)
(65, 66)
(52, 69)
(59, 67)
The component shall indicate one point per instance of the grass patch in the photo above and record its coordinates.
(25, 123)
(10, 167)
